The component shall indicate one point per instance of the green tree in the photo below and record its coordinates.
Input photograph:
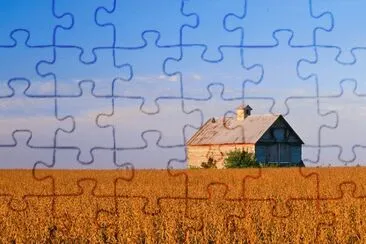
(240, 159)
(211, 163)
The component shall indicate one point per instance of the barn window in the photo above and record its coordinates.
(279, 134)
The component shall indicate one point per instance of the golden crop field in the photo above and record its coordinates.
(286, 205)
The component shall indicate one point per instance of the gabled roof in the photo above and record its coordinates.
(229, 130)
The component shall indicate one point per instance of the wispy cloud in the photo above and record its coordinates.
(197, 77)
(155, 78)
(46, 87)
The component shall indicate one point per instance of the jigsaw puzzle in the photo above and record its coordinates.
(127, 86)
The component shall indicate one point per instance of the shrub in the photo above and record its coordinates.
(240, 159)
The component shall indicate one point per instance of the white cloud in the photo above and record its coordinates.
(155, 77)
(46, 87)
(197, 77)
(173, 78)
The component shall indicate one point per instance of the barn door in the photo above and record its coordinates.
(285, 155)
(272, 153)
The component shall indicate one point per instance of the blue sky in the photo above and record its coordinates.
(96, 84)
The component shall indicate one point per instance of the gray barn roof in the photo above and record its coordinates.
(229, 130)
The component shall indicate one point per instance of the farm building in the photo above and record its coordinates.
(268, 136)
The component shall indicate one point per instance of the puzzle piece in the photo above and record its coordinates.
(328, 82)
(280, 79)
(86, 34)
(164, 17)
(18, 114)
(28, 224)
(169, 225)
(256, 188)
(151, 194)
(347, 103)
(210, 31)
(327, 156)
(348, 209)
(330, 180)
(230, 72)
(260, 19)
(160, 155)
(171, 213)
(69, 72)
(232, 179)
(40, 29)
(225, 209)
(149, 80)
(121, 222)
(13, 155)
(86, 120)
(345, 14)
(214, 107)
(218, 111)
(18, 62)
(305, 111)
(311, 222)
(129, 122)
(28, 189)
(176, 212)
(72, 205)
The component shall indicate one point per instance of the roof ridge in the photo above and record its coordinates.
(253, 115)
(200, 130)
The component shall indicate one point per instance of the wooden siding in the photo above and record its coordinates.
(285, 152)
(260, 153)
(278, 152)
(295, 153)
(198, 154)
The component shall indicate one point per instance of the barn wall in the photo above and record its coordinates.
(279, 144)
(198, 154)
(296, 153)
